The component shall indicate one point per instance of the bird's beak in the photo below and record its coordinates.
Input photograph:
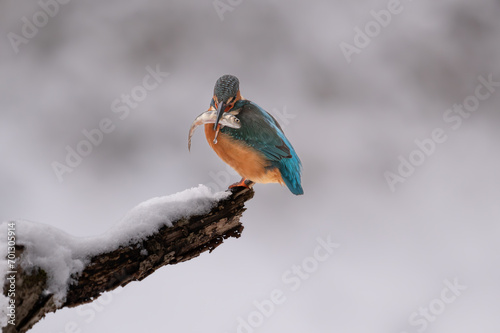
(220, 111)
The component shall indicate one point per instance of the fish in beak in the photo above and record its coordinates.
(210, 117)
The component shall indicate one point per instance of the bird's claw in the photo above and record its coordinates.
(242, 183)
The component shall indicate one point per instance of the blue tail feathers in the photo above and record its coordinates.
(290, 172)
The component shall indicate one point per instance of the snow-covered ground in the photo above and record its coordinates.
(354, 254)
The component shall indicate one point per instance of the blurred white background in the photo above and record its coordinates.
(351, 123)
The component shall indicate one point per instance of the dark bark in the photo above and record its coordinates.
(186, 239)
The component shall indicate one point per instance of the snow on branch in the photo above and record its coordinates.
(47, 269)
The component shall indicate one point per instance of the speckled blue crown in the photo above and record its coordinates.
(226, 86)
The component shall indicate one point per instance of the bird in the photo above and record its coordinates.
(258, 150)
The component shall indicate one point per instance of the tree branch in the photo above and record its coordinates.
(186, 239)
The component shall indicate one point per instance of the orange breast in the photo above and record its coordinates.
(248, 162)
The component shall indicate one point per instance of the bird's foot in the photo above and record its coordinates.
(242, 183)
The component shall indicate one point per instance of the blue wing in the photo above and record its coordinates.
(262, 132)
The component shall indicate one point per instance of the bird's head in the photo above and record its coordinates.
(226, 93)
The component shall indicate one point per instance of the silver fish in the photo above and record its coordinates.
(209, 117)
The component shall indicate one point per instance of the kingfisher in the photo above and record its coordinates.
(258, 150)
